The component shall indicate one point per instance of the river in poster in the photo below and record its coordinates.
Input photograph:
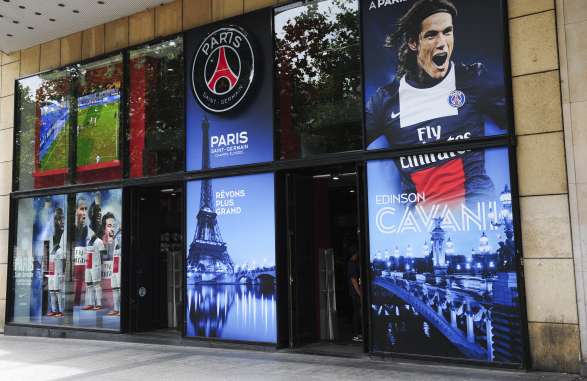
(444, 260)
(231, 289)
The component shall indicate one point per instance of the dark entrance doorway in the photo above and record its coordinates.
(322, 214)
(156, 284)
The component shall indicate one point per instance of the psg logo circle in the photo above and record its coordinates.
(456, 99)
(223, 69)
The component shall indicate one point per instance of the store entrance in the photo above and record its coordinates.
(156, 287)
(323, 234)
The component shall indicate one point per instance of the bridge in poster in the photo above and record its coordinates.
(434, 304)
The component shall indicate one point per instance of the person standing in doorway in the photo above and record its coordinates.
(354, 278)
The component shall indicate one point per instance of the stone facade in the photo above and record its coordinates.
(548, 54)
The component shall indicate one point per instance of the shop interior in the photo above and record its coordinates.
(157, 256)
(323, 234)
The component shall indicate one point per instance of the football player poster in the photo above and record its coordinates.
(231, 288)
(444, 264)
(229, 92)
(97, 259)
(433, 71)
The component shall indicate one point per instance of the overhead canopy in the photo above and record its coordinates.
(24, 23)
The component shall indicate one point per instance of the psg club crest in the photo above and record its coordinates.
(223, 69)
(456, 98)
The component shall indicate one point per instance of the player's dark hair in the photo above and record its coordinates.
(408, 29)
(104, 218)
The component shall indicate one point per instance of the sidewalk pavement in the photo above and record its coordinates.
(31, 358)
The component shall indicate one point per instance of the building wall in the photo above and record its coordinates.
(572, 26)
(549, 268)
(544, 193)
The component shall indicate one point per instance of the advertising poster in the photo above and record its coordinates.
(40, 261)
(231, 258)
(443, 257)
(229, 92)
(431, 74)
(97, 253)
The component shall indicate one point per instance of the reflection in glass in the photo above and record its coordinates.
(318, 78)
(156, 109)
(98, 120)
(42, 133)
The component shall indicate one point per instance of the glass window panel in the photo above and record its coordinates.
(98, 120)
(42, 262)
(318, 79)
(156, 116)
(69, 280)
(97, 255)
(443, 256)
(42, 133)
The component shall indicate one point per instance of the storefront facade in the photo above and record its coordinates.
(216, 183)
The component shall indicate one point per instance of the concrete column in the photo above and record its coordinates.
(571, 28)
(9, 71)
(544, 186)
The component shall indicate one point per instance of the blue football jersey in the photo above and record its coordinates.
(454, 109)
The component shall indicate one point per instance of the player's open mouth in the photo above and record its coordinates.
(439, 59)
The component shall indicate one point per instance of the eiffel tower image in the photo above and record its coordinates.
(208, 256)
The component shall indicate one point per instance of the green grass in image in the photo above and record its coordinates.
(97, 134)
(56, 156)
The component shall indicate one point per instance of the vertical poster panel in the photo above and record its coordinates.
(229, 92)
(231, 288)
(428, 77)
(96, 268)
(444, 275)
(40, 270)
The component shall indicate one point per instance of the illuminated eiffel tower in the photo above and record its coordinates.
(208, 255)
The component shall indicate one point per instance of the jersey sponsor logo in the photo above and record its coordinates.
(456, 99)
(426, 159)
(394, 115)
(223, 69)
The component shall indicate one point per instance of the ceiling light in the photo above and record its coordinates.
(351, 191)
(335, 177)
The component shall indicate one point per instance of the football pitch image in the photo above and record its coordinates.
(97, 139)
(56, 155)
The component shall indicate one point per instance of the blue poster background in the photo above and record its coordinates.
(36, 230)
(254, 115)
(478, 39)
(231, 292)
(444, 273)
